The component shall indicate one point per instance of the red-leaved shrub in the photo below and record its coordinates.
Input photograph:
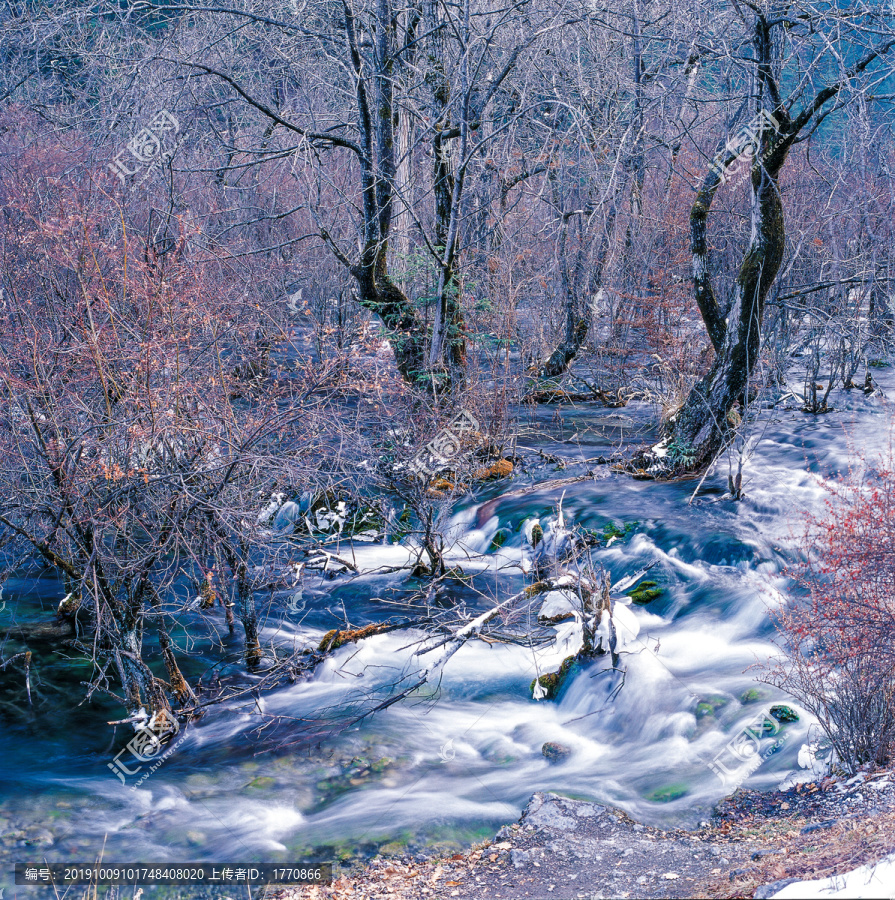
(838, 638)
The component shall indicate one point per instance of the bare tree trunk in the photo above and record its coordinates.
(577, 308)
(376, 290)
(448, 347)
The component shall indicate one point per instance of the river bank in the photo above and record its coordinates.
(754, 845)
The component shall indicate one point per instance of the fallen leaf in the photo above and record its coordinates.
(670, 876)
(503, 845)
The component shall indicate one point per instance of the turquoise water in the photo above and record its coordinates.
(438, 771)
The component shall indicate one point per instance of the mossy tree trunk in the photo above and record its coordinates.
(408, 331)
(702, 427)
(447, 352)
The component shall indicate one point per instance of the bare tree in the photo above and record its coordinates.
(780, 37)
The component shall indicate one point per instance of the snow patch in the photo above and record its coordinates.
(873, 880)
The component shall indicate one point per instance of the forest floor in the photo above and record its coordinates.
(754, 844)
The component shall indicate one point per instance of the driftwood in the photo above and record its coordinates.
(557, 395)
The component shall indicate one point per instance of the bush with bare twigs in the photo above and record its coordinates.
(839, 638)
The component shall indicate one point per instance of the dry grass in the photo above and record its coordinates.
(846, 845)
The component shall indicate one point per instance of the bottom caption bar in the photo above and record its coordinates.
(180, 874)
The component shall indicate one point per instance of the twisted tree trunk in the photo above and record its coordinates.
(705, 423)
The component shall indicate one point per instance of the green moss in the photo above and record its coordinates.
(708, 706)
(537, 535)
(645, 592)
(403, 526)
(552, 682)
(611, 530)
(262, 782)
(784, 714)
(753, 695)
(499, 539)
(668, 793)
(392, 848)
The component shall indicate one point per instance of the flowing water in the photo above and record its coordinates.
(440, 771)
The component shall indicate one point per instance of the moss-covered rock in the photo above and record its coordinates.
(553, 682)
(403, 526)
(263, 782)
(708, 706)
(393, 848)
(611, 531)
(753, 695)
(537, 535)
(645, 592)
(556, 752)
(499, 539)
(784, 714)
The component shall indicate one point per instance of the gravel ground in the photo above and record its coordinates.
(561, 848)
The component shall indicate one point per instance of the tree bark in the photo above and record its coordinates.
(702, 426)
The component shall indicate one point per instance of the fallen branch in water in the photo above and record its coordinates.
(334, 639)
(26, 657)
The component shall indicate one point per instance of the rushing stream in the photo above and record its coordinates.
(440, 772)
